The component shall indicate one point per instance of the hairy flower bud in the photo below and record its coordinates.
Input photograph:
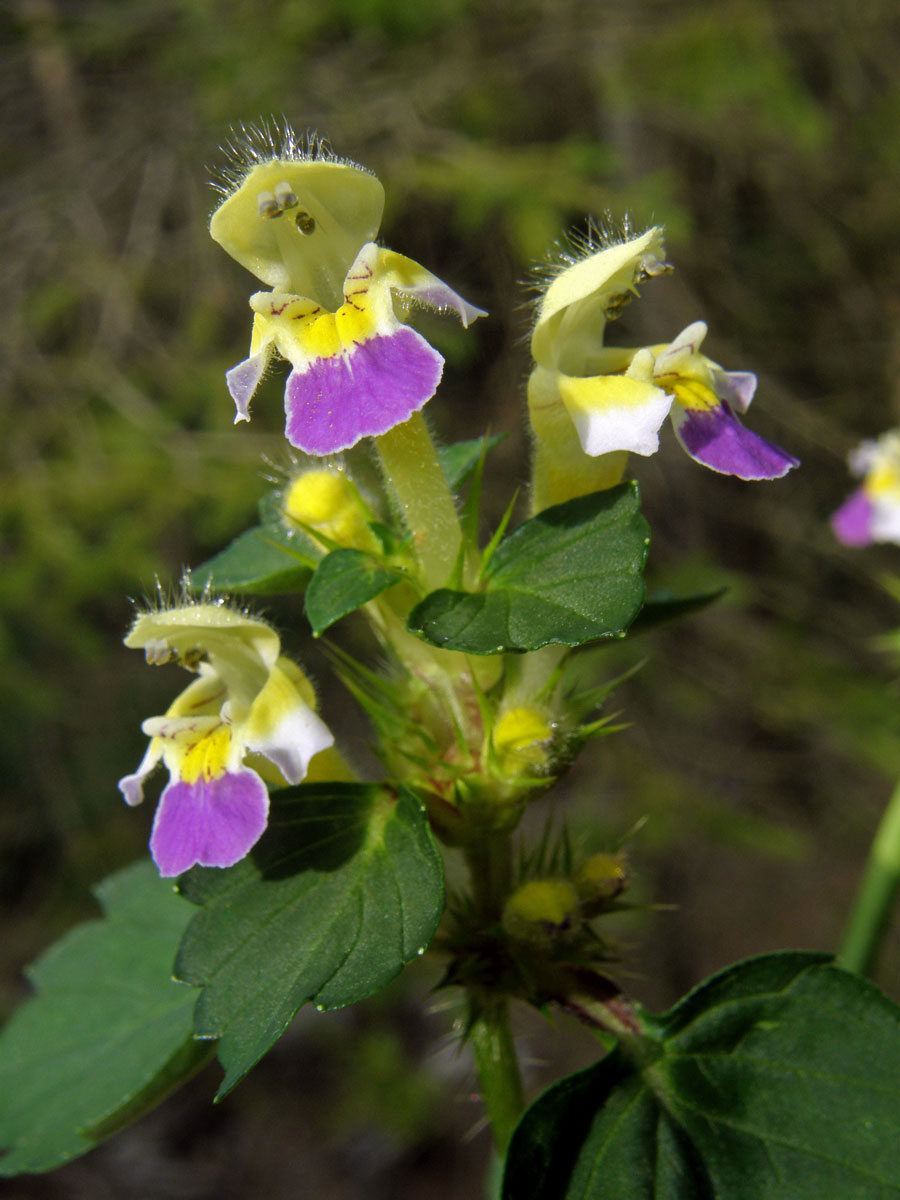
(600, 879)
(541, 910)
(326, 501)
(521, 740)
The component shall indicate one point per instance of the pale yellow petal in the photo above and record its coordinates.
(573, 311)
(240, 649)
(298, 225)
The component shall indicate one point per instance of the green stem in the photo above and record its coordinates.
(876, 892)
(414, 475)
(490, 867)
(530, 675)
(498, 1070)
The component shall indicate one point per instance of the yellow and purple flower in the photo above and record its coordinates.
(304, 222)
(248, 715)
(705, 402)
(590, 401)
(872, 512)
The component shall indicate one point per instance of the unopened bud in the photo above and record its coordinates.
(326, 502)
(599, 880)
(521, 741)
(541, 910)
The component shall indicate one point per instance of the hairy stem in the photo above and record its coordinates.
(498, 1069)
(413, 473)
(876, 893)
(490, 869)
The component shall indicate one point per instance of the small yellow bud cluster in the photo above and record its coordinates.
(544, 911)
(482, 774)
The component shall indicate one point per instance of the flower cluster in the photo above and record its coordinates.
(249, 714)
(588, 401)
(304, 222)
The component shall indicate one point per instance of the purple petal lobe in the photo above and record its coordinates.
(243, 381)
(380, 383)
(737, 387)
(852, 523)
(441, 297)
(213, 822)
(717, 439)
(132, 786)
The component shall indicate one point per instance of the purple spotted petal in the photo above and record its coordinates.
(852, 523)
(213, 822)
(380, 383)
(717, 439)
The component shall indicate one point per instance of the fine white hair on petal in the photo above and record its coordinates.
(186, 595)
(576, 244)
(264, 140)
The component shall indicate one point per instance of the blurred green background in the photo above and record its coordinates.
(763, 735)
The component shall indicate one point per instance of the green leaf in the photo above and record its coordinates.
(392, 541)
(108, 1035)
(263, 561)
(460, 460)
(569, 575)
(344, 888)
(344, 581)
(778, 1079)
(664, 606)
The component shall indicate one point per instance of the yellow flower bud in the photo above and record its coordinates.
(540, 910)
(327, 502)
(521, 738)
(601, 879)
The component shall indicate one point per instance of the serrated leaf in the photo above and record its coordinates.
(344, 581)
(570, 575)
(108, 1034)
(343, 889)
(264, 561)
(778, 1079)
(460, 460)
